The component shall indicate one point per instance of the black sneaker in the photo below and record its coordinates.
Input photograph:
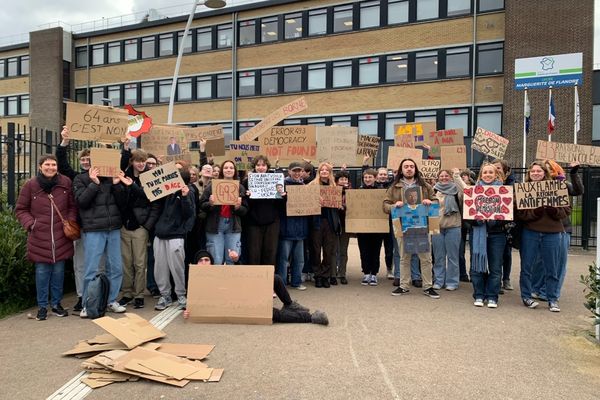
(417, 283)
(343, 280)
(42, 314)
(124, 301)
(325, 282)
(399, 291)
(155, 293)
(431, 293)
(319, 317)
(59, 311)
(78, 307)
(138, 303)
(333, 281)
(318, 282)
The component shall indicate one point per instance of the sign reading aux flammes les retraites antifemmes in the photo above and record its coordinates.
(529, 195)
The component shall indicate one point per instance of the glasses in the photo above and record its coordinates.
(150, 163)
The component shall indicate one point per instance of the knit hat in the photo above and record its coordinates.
(203, 253)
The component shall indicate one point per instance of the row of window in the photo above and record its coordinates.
(14, 66)
(296, 25)
(14, 105)
(395, 68)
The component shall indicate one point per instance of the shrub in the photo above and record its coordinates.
(592, 287)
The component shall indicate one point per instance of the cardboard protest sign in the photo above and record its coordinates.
(568, 152)
(225, 191)
(489, 143)
(454, 157)
(445, 137)
(337, 144)
(215, 139)
(397, 154)
(108, 161)
(161, 181)
(488, 202)
(224, 294)
(265, 185)
(551, 193)
(415, 216)
(303, 200)
(165, 140)
(366, 145)
(430, 168)
(274, 118)
(93, 122)
(364, 211)
(416, 131)
(331, 196)
(289, 143)
(242, 154)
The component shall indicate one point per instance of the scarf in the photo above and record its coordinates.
(479, 262)
(449, 190)
(45, 183)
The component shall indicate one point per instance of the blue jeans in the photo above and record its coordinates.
(295, 249)
(487, 285)
(415, 267)
(218, 244)
(52, 276)
(538, 278)
(546, 246)
(446, 246)
(96, 244)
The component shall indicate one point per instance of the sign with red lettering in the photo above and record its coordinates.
(445, 137)
(225, 191)
(289, 143)
(161, 181)
(108, 161)
(488, 203)
(413, 133)
(275, 117)
(331, 196)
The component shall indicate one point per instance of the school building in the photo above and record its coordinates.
(370, 64)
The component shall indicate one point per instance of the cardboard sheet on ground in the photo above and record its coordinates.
(161, 181)
(96, 345)
(413, 133)
(568, 152)
(275, 117)
(454, 157)
(289, 143)
(444, 137)
(225, 191)
(430, 168)
(231, 294)
(397, 154)
(132, 330)
(190, 351)
(303, 200)
(337, 144)
(364, 211)
(94, 122)
(265, 185)
(489, 143)
(242, 154)
(331, 196)
(551, 193)
(488, 203)
(108, 161)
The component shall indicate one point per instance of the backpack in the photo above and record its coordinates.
(97, 296)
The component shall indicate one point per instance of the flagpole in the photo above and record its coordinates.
(576, 121)
(549, 102)
(525, 129)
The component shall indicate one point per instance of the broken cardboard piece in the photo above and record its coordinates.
(95, 345)
(189, 351)
(132, 330)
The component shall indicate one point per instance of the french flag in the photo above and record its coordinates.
(551, 115)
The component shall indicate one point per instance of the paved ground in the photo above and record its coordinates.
(377, 347)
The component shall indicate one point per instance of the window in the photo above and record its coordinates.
(368, 71)
(131, 50)
(368, 125)
(147, 92)
(2, 68)
(187, 46)
(426, 65)
(224, 36)
(458, 7)
(81, 96)
(97, 95)
(292, 121)
(204, 87)
(425, 116)
(317, 22)
(293, 26)
(369, 14)
(317, 74)
(165, 45)
(3, 104)
(397, 11)
(320, 121)
(269, 31)
(81, 57)
(224, 85)
(184, 89)
(24, 65)
(342, 18)
(427, 9)
(397, 68)
(164, 90)
(12, 66)
(457, 62)
(457, 118)
(114, 52)
(24, 104)
(97, 55)
(246, 83)
(130, 94)
(269, 84)
(244, 127)
(292, 79)
(12, 105)
(344, 120)
(490, 118)
(114, 94)
(489, 5)
(148, 47)
(204, 39)
(247, 32)
(392, 119)
(489, 58)
(342, 73)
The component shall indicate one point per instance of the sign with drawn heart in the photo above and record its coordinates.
(488, 203)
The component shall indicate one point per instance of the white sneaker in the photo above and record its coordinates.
(492, 304)
(181, 302)
(83, 313)
(436, 286)
(116, 307)
(373, 280)
(301, 287)
(366, 279)
(390, 275)
(478, 303)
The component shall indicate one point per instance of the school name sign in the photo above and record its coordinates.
(549, 71)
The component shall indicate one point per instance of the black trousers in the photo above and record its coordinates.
(369, 245)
